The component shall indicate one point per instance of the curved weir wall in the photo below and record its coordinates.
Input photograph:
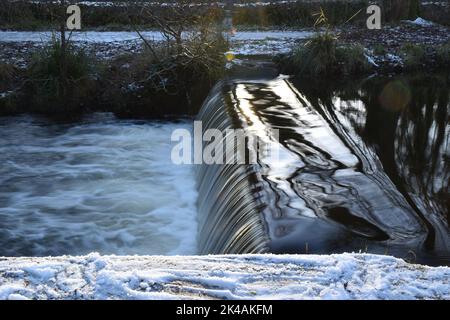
(327, 193)
(230, 205)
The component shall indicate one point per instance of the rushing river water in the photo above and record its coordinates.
(101, 184)
(364, 167)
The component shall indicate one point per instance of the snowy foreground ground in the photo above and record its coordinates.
(345, 276)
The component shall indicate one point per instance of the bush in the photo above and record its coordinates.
(317, 56)
(9, 80)
(443, 54)
(395, 10)
(413, 55)
(352, 59)
(297, 14)
(169, 78)
(379, 49)
(35, 15)
(61, 79)
(40, 14)
(7, 75)
(322, 56)
(8, 104)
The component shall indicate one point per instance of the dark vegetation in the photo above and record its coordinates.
(8, 83)
(301, 14)
(174, 77)
(325, 55)
(414, 56)
(443, 54)
(7, 75)
(169, 78)
(26, 15)
(322, 55)
(419, 57)
(60, 79)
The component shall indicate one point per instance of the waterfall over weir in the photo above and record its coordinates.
(327, 193)
(230, 207)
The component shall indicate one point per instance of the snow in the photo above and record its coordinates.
(343, 276)
(371, 60)
(5, 94)
(119, 36)
(420, 22)
(114, 36)
(168, 4)
(242, 42)
(394, 59)
(79, 36)
(271, 35)
(266, 42)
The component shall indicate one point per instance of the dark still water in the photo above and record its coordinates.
(399, 128)
(364, 166)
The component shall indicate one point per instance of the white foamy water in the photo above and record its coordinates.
(103, 185)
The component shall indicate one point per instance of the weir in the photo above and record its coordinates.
(328, 191)
(230, 204)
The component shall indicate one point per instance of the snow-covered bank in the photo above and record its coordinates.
(117, 36)
(111, 43)
(345, 276)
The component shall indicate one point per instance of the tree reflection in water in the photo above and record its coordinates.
(404, 120)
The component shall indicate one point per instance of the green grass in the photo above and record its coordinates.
(7, 73)
(379, 49)
(60, 80)
(317, 56)
(34, 16)
(352, 59)
(443, 54)
(323, 56)
(413, 56)
(8, 80)
(162, 80)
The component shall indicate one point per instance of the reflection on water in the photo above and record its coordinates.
(101, 184)
(364, 166)
(405, 122)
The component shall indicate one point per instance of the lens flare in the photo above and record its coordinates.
(395, 96)
(229, 56)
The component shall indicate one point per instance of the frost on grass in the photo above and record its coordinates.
(345, 276)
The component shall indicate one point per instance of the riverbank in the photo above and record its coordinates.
(395, 45)
(337, 276)
(18, 47)
(410, 45)
(119, 15)
(116, 75)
